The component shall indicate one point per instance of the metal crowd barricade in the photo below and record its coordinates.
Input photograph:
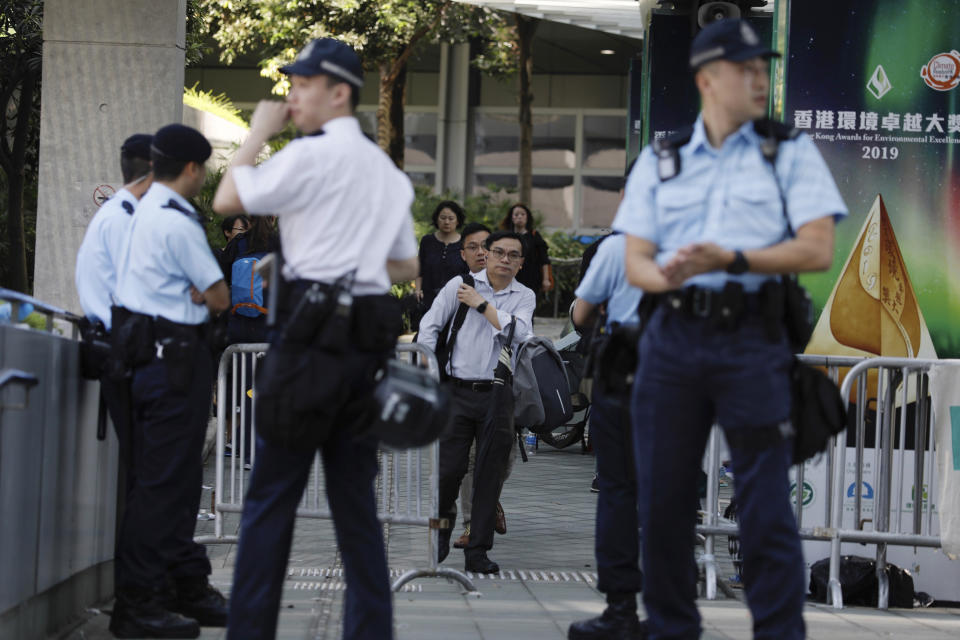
(407, 493)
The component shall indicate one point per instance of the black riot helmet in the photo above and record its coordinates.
(412, 408)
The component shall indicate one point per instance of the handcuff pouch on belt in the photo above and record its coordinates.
(615, 358)
(94, 349)
(177, 345)
(300, 384)
(724, 309)
(132, 339)
(787, 307)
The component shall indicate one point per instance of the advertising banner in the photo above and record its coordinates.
(876, 86)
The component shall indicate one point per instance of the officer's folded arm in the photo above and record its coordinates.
(403, 270)
(810, 250)
(642, 270)
(217, 297)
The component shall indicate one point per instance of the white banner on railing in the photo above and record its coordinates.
(945, 389)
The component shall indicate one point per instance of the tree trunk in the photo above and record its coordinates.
(526, 27)
(17, 270)
(390, 108)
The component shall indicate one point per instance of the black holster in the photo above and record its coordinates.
(178, 345)
(615, 360)
(94, 349)
(132, 340)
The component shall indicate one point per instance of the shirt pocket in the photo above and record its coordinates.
(680, 213)
(755, 213)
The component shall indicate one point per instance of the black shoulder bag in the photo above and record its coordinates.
(819, 412)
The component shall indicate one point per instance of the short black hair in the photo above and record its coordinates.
(165, 167)
(453, 206)
(354, 91)
(227, 225)
(133, 167)
(506, 235)
(472, 228)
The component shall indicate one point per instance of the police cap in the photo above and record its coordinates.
(729, 39)
(330, 57)
(182, 143)
(137, 146)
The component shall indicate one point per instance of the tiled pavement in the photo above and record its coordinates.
(549, 575)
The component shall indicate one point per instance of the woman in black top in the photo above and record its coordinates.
(439, 254)
(535, 272)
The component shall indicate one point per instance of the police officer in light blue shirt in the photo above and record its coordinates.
(99, 254)
(605, 295)
(169, 283)
(710, 217)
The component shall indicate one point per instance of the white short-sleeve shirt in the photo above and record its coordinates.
(164, 253)
(97, 259)
(342, 205)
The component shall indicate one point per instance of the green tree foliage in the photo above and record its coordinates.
(385, 33)
(21, 46)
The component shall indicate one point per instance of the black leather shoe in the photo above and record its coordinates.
(140, 614)
(480, 563)
(618, 622)
(443, 544)
(198, 599)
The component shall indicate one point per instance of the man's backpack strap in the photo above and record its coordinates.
(668, 152)
(458, 317)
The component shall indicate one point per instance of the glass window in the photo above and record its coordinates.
(486, 182)
(601, 197)
(420, 138)
(553, 197)
(422, 178)
(604, 142)
(497, 140)
(554, 141)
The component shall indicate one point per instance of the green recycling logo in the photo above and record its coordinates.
(807, 493)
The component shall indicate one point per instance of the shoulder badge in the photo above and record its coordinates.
(773, 133)
(667, 151)
(173, 204)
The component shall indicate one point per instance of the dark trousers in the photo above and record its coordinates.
(269, 510)
(690, 375)
(166, 447)
(116, 395)
(617, 544)
(469, 424)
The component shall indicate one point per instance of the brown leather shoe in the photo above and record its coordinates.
(501, 524)
(463, 540)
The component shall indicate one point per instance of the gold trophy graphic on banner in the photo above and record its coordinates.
(873, 310)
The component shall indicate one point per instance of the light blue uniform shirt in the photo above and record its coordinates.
(99, 253)
(727, 196)
(164, 253)
(606, 281)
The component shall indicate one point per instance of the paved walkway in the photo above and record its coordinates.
(548, 578)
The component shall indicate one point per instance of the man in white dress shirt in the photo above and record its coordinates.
(495, 300)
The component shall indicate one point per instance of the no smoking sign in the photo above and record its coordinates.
(103, 193)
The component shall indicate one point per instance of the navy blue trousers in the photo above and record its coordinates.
(690, 375)
(617, 543)
(166, 449)
(266, 531)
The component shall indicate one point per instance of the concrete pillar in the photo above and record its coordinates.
(111, 68)
(455, 165)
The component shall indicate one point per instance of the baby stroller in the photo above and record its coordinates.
(572, 352)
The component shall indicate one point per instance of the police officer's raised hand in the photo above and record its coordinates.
(269, 118)
(693, 259)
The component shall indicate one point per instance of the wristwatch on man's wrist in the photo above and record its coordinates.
(482, 307)
(739, 264)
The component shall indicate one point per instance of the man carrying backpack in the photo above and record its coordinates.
(495, 300)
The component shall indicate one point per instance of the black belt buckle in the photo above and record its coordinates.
(701, 302)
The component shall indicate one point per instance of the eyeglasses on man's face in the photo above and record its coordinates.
(500, 254)
(473, 247)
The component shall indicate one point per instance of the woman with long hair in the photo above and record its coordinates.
(536, 271)
(439, 253)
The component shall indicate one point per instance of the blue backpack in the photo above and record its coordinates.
(246, 287)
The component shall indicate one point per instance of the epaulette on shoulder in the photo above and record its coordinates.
(667, 150)
(772, 134)
(173, 204)
(780, 131)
